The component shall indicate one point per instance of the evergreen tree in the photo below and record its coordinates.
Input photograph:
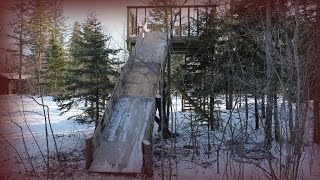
(75, 38)
(91, 75)
(46, 26)
(55, 55)
(55, 63)
(38, 25)
(57, 20)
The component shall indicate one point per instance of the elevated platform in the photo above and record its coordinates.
(179, 44)
(183, 21)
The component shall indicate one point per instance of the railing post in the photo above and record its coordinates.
(145, 15)
(180, 26)
(189, 22)
(136, 23)
(197, 21)
(129, 30)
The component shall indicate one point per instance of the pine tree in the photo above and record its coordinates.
(75, 38)
(57, 20)
(55, 63)
(55, 55)
(46, 27)
(91, 75)
(38, 27)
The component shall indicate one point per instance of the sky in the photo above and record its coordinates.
(111, 13)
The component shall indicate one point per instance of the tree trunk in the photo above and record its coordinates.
(247, 109)
(97, 106)
(240, 100)
(290, 119)
(227, 99)
(298, 71)
(269, 72)
(316, 133)
(167, 93)
(21, 45)
(268, 123)
(276, 119)
(91, 111)
(256, 113)
(230, 91)
(316, 86)
(263, 106)
(165, 117)
(212, 123)
(166, 132)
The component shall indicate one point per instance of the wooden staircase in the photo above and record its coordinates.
(186, 105)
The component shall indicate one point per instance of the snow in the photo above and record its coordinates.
(240, 157)
(186, 156)
(25, 112)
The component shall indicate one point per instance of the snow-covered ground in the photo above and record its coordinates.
(22, 119)
(230, 152)
(195, 154)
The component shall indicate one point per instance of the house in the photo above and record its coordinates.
(9, 83)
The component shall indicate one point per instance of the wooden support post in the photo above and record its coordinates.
(188, 21)
(128, 23)
(145, 15)
(316, 120)
(89, 152)
(147, 158)
(198, 21)
(180, 25)
(136, 23)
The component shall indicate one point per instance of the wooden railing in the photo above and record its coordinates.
(182, 20)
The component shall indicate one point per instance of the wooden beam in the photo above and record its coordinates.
(89, 152)
(147, 158)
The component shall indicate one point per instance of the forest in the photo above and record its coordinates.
(240, 98)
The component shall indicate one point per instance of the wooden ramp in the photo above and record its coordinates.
(116, 146)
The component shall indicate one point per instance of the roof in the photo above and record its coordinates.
(14, 76)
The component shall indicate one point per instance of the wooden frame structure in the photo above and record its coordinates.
(183, 21)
